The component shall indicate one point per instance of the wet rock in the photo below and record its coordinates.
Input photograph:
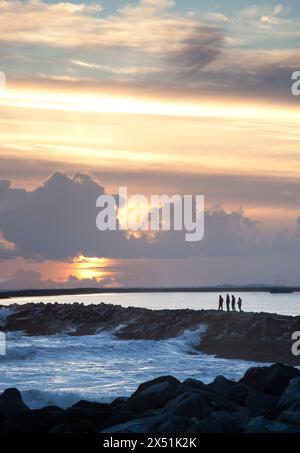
(218, 402)
(97, 413)
(234, 391)
(206, 426)
(290, 417)
(84, 426)
(10, 427)
(40, 420)
(231, 422)
(154, 394)
(263, 425)
(188, 405)
(273, 379)
(11, 403)
(290, 399)
(261, 403)
(251, 336)
(141, 425)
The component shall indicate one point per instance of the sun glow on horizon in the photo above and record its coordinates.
(91, 268)
(113, 103)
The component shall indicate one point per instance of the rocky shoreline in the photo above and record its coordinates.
(265, 400)
(262, 337)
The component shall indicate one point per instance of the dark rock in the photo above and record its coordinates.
(231, 422)
(154, 394)
(162, 379)
(141, 425)
(10, 427)
(84, 426)
(290, 417)
(290, 399)
(261, 403)
(263, 425)
(174, 424)
(188, 405)
(234, 391)
(217, 402)
(206, 426)
(11, 403)
(194, 385)
(98, 414)
(40, 420)
(121, 412)
(273, 379)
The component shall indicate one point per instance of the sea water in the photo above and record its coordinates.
(62, 369)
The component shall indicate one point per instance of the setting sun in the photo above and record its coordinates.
(89, 268)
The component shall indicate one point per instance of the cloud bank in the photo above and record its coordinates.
(57, 221)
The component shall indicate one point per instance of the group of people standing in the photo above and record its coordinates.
(230, 303)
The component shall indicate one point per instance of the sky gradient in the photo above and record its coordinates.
(162, 96)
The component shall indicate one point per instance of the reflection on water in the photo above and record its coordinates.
(288, 304)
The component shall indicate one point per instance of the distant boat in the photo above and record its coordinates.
(281, 289)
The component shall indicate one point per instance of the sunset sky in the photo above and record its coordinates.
(162, 96)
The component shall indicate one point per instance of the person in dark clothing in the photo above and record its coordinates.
(228, 302)
(221, 301)
(233, 303)
(240, 304)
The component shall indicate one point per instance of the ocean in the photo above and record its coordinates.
(61, 369)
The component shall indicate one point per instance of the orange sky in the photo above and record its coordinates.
(161, 96)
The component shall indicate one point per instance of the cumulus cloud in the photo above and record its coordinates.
(57, 221)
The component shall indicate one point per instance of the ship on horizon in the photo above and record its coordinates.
(281, 289)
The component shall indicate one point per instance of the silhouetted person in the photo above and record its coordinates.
(228, 302)
(221, 301)
(240, 304)
(233, 303)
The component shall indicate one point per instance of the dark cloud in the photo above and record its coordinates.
(57, 221)
(194, 53)
(222, 189)
(33, 280)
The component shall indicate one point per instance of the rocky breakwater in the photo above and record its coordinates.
(252, 336)
(265, 400)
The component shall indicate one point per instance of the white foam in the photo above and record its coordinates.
(63, 369)
(36, 399)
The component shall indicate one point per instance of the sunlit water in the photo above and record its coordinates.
(62, 369)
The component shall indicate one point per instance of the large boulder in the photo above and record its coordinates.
(154, 394)
(160, 423)
(97, 413)
(231, 422)
(263, 425)
(290, 399)
(216, 400)
(261, 403)
(273, 379)
(232, 390)
(188, 405)
(290, 417)
(11, 403)
(40, 420)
